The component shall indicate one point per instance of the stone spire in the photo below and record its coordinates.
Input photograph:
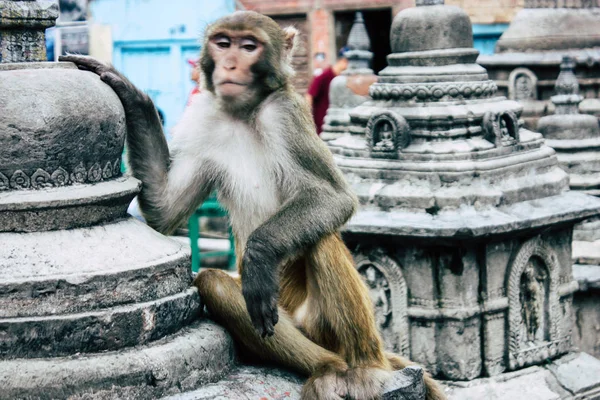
(567, 96)
(359, 57)
(22, 26)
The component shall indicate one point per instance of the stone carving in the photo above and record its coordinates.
(522, 85)
(387, 133)
(561, 3)
(434, 91)
(502, 129)
(388, 292)
(60, 177)
(534, 308)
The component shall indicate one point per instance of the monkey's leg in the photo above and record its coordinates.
(342, 316)
(222, 296)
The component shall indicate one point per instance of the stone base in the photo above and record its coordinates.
(574, 376)
(249, 382)
(196, 356)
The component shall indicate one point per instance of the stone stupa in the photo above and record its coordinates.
(351, 87)
(529, 53)
(93, 303)
(576, 139)
(464, 230)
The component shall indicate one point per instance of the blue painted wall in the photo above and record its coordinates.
(152, 39)
(486, 36)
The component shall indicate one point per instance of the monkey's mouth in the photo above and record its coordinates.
(231, 83)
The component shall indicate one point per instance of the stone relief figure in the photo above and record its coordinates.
(522, 85)
(385, 138)
(533, 295)
(378, 290)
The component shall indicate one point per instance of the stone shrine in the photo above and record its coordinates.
(465, 225)
(351, 87)
(93, 303)
(576, 139)
(529, 53)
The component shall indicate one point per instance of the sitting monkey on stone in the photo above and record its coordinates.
(300, 301)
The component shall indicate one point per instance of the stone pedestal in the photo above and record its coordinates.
(351, 88)
(92, 302)
(529, 53)
(465, 226)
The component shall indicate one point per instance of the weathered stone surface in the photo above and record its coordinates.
(46, 140)
(465, 224)
(197, 355)
(18, 44)
(249, 382)
(574, 376)
(529, 53)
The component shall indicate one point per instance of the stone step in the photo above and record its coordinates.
(107, 329)
(86, 269)
(197, 355)
(252, 382)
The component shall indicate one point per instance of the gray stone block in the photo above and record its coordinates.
(252, 382)
(196, 356)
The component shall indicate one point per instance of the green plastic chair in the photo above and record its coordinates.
(210, 208)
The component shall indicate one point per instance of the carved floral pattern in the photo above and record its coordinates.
(431, 92)
(60, 177)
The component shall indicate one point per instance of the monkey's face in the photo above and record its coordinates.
(234, 55)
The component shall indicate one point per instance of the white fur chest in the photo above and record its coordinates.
(249, 187)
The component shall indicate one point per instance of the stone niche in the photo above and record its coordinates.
(465, 225)
(528, 55)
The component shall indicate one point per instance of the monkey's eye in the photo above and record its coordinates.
(248, 45)
(222, 42)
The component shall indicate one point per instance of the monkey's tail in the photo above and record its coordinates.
(434, 391)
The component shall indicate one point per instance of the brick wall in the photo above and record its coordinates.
(480, 11)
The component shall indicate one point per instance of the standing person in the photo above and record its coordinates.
(195, 77)
(318, 92)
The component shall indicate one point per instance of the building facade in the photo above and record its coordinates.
(325, 25)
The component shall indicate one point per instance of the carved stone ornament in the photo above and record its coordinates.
(387, 133)
(534, 306)
(41, 178)
(522, 85)
(388, 292)
(501, 129)
(424, 92)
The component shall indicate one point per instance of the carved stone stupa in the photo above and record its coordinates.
(529, 53)
(576, 139)
(464, 230)
(351, 88)
(93, 303)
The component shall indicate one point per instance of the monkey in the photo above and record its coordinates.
(299, 301)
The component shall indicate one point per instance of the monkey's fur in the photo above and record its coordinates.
(300, 301)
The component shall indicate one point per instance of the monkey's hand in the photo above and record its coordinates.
(131, 97)
(260, 288)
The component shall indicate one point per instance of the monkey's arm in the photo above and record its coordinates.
(321, 203)
(171, 190)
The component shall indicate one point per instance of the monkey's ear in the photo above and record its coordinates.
(291, 37)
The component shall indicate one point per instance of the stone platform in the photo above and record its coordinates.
(197, 355)
(574, 376)
(251, 382)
